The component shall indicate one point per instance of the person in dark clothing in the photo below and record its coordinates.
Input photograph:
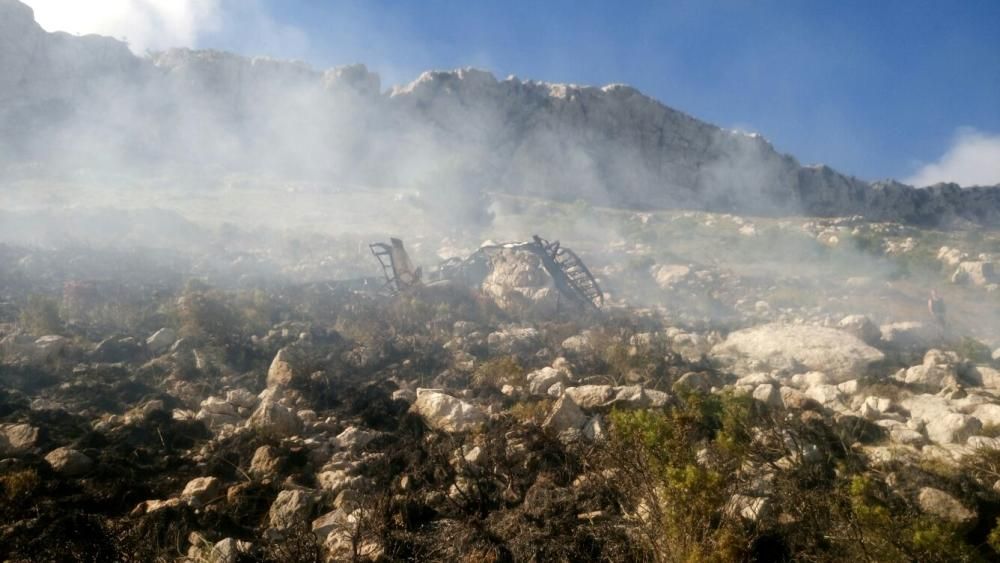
(936, 307)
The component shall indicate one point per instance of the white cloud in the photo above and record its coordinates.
(245, 25)
(145, 24)
(972, 160)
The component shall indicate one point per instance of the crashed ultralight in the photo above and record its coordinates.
(569, 274)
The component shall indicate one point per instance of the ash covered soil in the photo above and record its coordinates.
(754, 389)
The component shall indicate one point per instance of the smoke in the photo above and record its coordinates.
(973, 159)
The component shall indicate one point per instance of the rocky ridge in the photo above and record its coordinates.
(205, 112)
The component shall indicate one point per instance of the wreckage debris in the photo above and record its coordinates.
(569, 274)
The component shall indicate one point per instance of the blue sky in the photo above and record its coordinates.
(877, 88)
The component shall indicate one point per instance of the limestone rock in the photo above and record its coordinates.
(17, 438)
(862, 327)
(939, 503)
(911, 336)
(953, 428)
(565, 415)
(842, 356)
(444, 412)
(539, 381)
(977, 273)
(265, 463)
(201, 491)
(161, 340)
(289, 509)
(69, 462)
(768, 394)
(281, 373)
(274, 419)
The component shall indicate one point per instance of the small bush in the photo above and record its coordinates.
(533, 412)
(497, 372)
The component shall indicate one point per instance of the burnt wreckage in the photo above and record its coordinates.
(569, 274)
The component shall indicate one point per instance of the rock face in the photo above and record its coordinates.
(608, 144)
(797, 348)
(444, 412)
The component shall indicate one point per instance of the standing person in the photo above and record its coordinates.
(936, 307)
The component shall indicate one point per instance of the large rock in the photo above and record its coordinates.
(862, 327)
(517, 279)
(939, 503)
(668, 276)
(797, 348)
(988, 414)
(275, 420)
(589, 397)
(517, 341)
(565, 415)
(944, 423)
(266, 462)
(216, 413)
(202, 490)
(938, 370)
(911, 336)
(539, 381)
(954, 428)
(17, 438)
(48, 347)
(281, 373)
(69, 462)
(290, 508)
(161, 340)
(444, 412)
(976, 273)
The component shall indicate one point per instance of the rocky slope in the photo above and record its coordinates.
(87, 102)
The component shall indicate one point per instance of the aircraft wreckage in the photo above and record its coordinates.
(569, 274)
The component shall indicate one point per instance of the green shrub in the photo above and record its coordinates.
(497, 372)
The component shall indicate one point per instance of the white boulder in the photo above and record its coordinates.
(795, 348)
